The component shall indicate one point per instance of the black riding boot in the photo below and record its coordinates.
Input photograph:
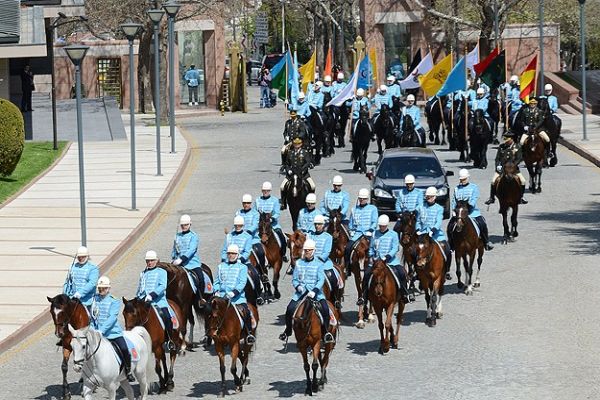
(166, 316)
(328, 337)
(347, 253)
(200, 277)
(485, 236)
(364, 298)
(289, 314)
(523, 201)
(283, 248)
(126, 357)
(283, 203)
(250, 339)
(492, 198)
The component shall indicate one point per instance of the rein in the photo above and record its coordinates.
(85, 356)
(220, 324)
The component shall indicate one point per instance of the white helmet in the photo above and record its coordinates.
(319, 219)
(468, 82)
(266, 186)
(391, 78)
(383, 88)
(316, 76)
(514, 78)
(463, 174)
(410, 97)
(185, 219)
(363, 193)
(431, 191)
(409, 179)
(151, 255)
(548, 87)
(103, 282)
(233, 248)
(319, 84)
(383, 220)
(340, 75)
(309, 244)
(360, 92)
(82, 251)
(338, 180)
(311, 198)
(246, 198)
(238, 220)
(327, 78)
(301, 95)
(480, 90)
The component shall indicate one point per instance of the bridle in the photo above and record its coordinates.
(222, 321)
(147, 314)
(86, 357)
(67, 320)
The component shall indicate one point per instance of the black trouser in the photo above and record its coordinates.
(197, 272)
(281, 236)
(26, 100)
(333, 281)
(247, 318)
(347, 253)
(125, 356)
(255, 276)
(289, 314)
(193, 94)
(259, 251)
(166, 317)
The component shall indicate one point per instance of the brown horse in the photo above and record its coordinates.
(307, 330)
(406, 228)
(181, 292)
(339, 233)
(430, 268)
(466, 243)
(359, 258)
(272, 249)
(508, 191)
(225, 329)
(67, 311)
(139, 313)
(384, 295)
(534, 153)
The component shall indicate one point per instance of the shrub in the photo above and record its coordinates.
(12, 137)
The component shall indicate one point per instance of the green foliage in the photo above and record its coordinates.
(12, 137)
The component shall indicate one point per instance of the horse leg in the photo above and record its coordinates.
(165, 373)
(399, 315)
(303, 351)
(129, 390)
(276, 272)
(438, 306)
(479, 261)
(315, 365)
(158, 356)
(389, 329)
(380, 325)
(433, 305)
(235, 350)
(506, 237)
(554, 159)
(531, 178)
(324, 361)
(539, 178)
(458, 259)
(221, 354)
(65, 368)
(514, 222)
(469, 274)
(170, 383)
(88, 390)
(379, 148)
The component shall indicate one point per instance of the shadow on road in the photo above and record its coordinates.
(288, 389)
(204, 389)
(363, 348)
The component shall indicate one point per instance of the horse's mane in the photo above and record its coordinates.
(60, 300)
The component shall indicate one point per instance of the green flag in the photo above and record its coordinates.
(278, 83)
(495, 73)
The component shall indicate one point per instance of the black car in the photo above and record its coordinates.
(387, 177)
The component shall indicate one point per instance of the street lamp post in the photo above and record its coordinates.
(156, 17)
(541, 11)
(583, 88)
(76, 54)
(282, 26)
(171, 9)
(131, 30)
(496, 28)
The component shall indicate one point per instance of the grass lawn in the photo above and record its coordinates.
(36, 158)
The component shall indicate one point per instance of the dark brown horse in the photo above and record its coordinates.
(339, 233)
(466, 243)
(359, 258)
(384, 295)
(534, 150)
(307, 330)
(181, 292)
(430, 268)
(272, 249)
(508, 191)
(67, 311)
(139, 313)
(406, 228)
(225, 329)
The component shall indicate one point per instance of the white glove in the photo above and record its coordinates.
(526, 128)
(368, 234)
(148, 298)
(454, 213)
(77, 295)
(300, 289)
(499, 168)
(230, 295)
(176, 262)
(311, 294)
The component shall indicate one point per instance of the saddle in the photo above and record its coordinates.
(172, 316)
(133, 353)
(395, 274)
(332, 319)
(240, 311)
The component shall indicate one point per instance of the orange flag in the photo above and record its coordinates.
(327, 70)
(528, 79)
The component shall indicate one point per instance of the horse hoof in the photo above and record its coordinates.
(505, 241)
(360, 324)
(380, 351)
(277, 295)
(460, 285)
(515, 234)
(67, 396)
(539, 190)
(439, 315)
(371, 318)
(477, 284)
(448, 276)
(469, 292)
(511, 239)
(221, 395)
(433, 322)
(247, 381)
(308, 392)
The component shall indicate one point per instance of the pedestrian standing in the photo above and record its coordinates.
(265, 88)
(192, 77)
(27, 87)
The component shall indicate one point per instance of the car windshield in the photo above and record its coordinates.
(399, 167)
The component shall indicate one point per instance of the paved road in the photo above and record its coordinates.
(529, 332)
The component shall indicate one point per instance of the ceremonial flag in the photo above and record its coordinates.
(347, 92)
(364, 73)
(415, 61)
(278, 67)
(432, 81)
(494, 74)
(279, 79)
(328, 61)
(472, 59)
(457, 79)
(293, 78)
(527, 79)
(480, 67)
(308, 70)
(373, 60)
(412, 80)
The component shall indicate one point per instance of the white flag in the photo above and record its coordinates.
(412, 80)
(347, 92)
(472, 59)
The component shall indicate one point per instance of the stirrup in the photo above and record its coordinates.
(491, 200)
(290, 270)
(360, 301)
(250, 339)
(260, 301)
(130, 376)
(328, 338)
(283, 337)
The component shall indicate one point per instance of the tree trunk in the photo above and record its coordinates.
(145, 68)
(487, 27)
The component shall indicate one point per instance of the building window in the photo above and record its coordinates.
(396, 37)
(191, 51)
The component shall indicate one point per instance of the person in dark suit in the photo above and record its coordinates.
(27, 88)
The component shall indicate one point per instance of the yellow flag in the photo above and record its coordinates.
(308, 71)
(432, 81)
(373, 59)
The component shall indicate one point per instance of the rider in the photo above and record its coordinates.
(251, 218)
(481, 102)
(409, 199)
(338, 85)
(552, 99)
(336, 198)
(82, 278)
(323, 244)
(308, 280)
(469, 192)
(393, 89)
(308, 214)
(363, 221)
(316, 97)
(327, 88)
(508, 151)
(298, 161)
(230, 283)
(294, 127)
(415, 113)
(105, 319)
(382, 97)
(430, 220)
(302, 107)
(534, 120)
(513, 96)
(152, 288)
(270, 204)
(358, 102)
(185, 253)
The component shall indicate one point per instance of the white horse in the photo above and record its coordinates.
(94, 356)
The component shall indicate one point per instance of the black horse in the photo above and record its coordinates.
(295, 195)
(409, 136)
(495, 113)
(552, 126)
(460, 132)
(318, 123)
(434, 111)
(332, 119)
(383, 124)
(363, 132)
(397, 106)
(479, 139)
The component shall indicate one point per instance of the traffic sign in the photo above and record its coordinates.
(261, 32)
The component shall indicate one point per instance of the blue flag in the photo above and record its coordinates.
(456, 80)
(278, 67)
(293, 78)
(364, 73)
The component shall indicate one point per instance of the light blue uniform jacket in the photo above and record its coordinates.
(186, 248)
(105, 316)
(363, 220)
(308, 276)
(153, 282)
(231, 277)
(469, 193)
(82, 279)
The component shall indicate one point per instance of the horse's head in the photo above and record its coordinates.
(397, 104)
(461, 211)
(408, 221)
(509, 169)
(326, 97)
(85, 343)
(135, 312)
(264, 227)
(295, 243)
(217, 309)
(363, 113)
(479, 117)
(408, 124)
(335, 222)
(62, 309)
(424, 250)
(379, 279)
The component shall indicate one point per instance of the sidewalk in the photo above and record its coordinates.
(40, 229)
(572, 136)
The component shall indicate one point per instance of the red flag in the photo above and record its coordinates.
(327, 70)
(479, 68)
(527, 78)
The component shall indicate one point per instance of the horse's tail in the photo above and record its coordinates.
(140, 330)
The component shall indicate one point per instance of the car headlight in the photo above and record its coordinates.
(382, 193)
(442, 191)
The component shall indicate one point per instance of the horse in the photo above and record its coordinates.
(317, 122)
(495, 113)
(95, 357)
(384, 295)
(397, 106)
(359, 258)
(340, 236)
(332, 121)
(406, 228)
(479, 138)
(67, 311)
(363, 132)
(466, 243)
(272, 249)
(409, 136)
(534, 154)
(508, 191)
(139, 313)
(295, 195)
(383, 124)
(181, 292)
(552, 126)
(459, 131)
(340, 128)
(226, 330)
(430, 266)
(307, 330)
(434, 111)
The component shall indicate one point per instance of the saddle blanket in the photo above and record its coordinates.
(332, 319)
(241, 319)
(442, 249)
(135, 356)
(476, 226)
(208, 288)
(174, 319)
(262, 260)
(338, 277)
(396, 277)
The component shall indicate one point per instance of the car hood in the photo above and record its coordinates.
(423, 183)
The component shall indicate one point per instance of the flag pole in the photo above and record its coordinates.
(440, 99)
(285, 54)
(466, 108)
(356, 71)
(506, 119)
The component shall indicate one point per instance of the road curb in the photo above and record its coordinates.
(43, 318)
(579, 150)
